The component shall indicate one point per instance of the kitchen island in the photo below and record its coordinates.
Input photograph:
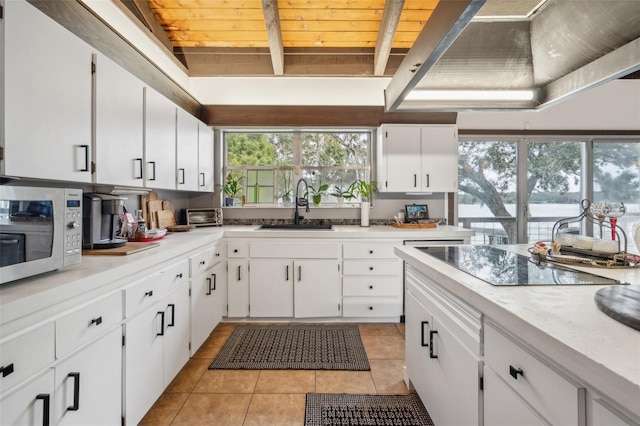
(559, 326)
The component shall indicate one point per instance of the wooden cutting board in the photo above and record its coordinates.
(166, 218)
(154, 206)
(128, 248)
(620, 302)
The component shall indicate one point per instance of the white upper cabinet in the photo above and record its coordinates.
(47, 98)
(439, 154)
(415, 158)
(118, 125)
(160, 141)
(187, 149)
(205, 158)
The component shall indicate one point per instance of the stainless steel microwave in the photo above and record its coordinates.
(40, 230)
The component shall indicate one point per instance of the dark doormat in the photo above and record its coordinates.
(324, 409)
(293, 347)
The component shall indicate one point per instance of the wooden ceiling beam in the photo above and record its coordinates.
(388, 26)
(272, 20)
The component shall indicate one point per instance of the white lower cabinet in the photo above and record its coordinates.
(157, 347)
(298, 279)
(31, 405)
(372, 281)
(88, 385)
(208, 300)
(502, 406)
(553, 398)
(271, 292)
(601, 415)
(442, 358)
(317, 290)
(237, 289)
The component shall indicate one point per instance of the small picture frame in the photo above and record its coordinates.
(415, 212)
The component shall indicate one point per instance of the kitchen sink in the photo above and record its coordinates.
(299, 227)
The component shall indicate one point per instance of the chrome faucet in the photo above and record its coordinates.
(305, 201)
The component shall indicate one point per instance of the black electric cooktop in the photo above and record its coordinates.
(501, 267)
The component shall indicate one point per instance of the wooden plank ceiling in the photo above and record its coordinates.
(291, 37)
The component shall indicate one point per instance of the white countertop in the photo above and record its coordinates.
(95, 275)
(344, 231)
(562, 322)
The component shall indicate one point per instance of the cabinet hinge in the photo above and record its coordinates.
(1, 152)
(1, 12)
(93, 167)
(481, 383)
(189, 292)
(338, 307)
(124, 340)
(189, 345)
(386, 134)
(338, 267)
(123, 421)
(93, 67)
(386, 184)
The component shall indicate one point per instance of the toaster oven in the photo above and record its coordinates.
(209, 216)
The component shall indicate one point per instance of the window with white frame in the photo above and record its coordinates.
(270, 163)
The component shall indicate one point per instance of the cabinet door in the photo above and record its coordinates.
(47, 98)
(143, 362)
(453, 393)
(219, 275)
(205, 158)
(89, 384)
(502, 405)
(204, 314)
(439, 159)
(159, 141)
(30, 405)
(271, 288)
(118, 125)
(401, 151)
(317, 290)
(237, 289)
(418, 320)
(177, 331)
(187, 151)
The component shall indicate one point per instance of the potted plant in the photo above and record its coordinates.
(231, 189)
(286, 197)
(365, 190)
(342, 194)
(317, 194)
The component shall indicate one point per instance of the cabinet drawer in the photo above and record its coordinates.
(89, 322)
(175, 275)
(200, 262)
(295, 250)
(25, 354)
(371, 307)
(372, 286)
(142, 294)
(236, 249)
(370, 267)
(551, 395)
(368, 251)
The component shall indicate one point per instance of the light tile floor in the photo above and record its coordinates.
(199, 396)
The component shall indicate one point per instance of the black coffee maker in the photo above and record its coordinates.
(100, 221)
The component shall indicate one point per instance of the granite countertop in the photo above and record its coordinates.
(562, 322)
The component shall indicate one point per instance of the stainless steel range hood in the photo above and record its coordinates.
(557, 49)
